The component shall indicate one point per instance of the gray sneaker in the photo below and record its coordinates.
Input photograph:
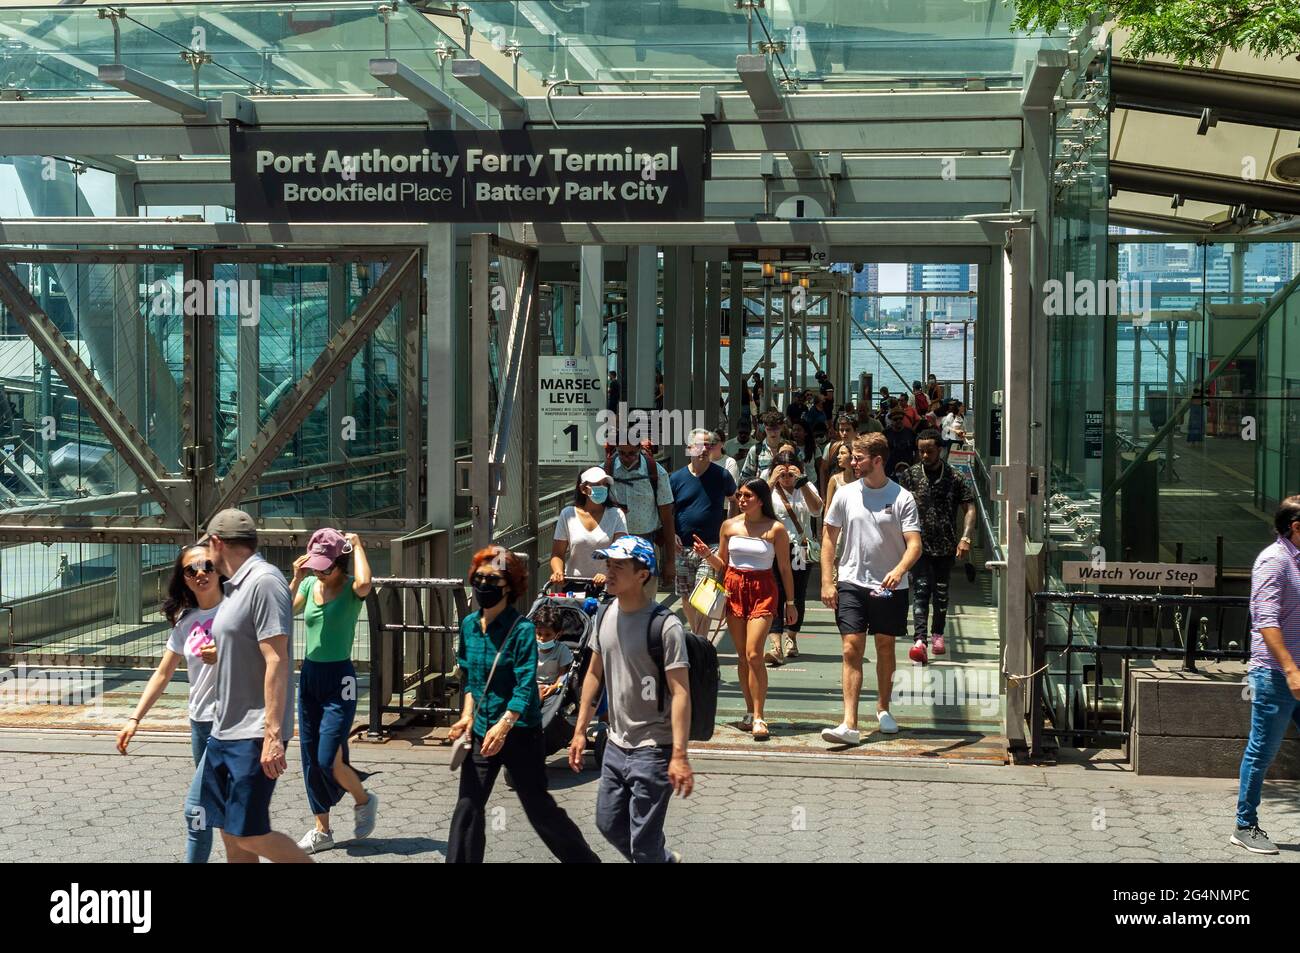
(314, 841)
(1254, 840)
(363, 817)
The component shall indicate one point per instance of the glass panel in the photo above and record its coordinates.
(284, 48)
(1219, 471)
(818, 43)
(346, 460)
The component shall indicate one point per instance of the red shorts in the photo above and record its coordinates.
(751, 593)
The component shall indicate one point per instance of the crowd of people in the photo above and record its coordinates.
(756, 512)
(823, 484)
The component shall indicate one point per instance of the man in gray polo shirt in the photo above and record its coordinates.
(645, 759)
(254, 715)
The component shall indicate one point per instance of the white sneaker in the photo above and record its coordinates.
(314, 841)
(841, 734)
(887, 724)
(363, 817)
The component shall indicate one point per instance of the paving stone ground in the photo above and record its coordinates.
(71, 798)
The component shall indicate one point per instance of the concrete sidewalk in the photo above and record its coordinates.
(69, 797)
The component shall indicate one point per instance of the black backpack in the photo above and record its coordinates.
(704, 677)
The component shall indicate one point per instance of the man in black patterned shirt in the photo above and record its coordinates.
(941, 494)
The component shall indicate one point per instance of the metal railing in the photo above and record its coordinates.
(413, 627)
(1079, 700)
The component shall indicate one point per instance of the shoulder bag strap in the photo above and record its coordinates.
(789, 508)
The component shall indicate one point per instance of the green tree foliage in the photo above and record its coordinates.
(1191, 32)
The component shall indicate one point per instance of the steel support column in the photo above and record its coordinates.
(641, 339)
(443, 371)
(736, 345)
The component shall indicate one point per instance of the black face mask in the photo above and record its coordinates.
(488, 596)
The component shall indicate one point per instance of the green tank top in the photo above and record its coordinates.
(331, 627)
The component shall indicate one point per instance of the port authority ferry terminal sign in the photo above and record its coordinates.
(580, 175)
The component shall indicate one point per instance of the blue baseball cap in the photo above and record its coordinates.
(630, 547)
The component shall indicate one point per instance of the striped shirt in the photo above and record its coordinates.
(1275, 602)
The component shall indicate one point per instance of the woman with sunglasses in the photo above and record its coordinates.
(497, 656)
(193, 595)
(330, 601)
(748, 545)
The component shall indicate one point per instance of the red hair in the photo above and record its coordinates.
(507, 563)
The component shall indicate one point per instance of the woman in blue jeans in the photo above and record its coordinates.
(330, 600)
(193, 594)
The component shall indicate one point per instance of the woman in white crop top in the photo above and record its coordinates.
(747, 547)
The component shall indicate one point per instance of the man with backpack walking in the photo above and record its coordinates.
(643, 658)
(642, 485)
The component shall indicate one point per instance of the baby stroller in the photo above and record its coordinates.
(577, 610)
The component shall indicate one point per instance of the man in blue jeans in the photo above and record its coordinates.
(1273, 673)
(645, 758)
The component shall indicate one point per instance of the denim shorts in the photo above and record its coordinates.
(235, 784)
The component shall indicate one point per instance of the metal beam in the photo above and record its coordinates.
(1200, 187)
(1043, 77)
(154, 90)
(492, 89)
(131, 447)
(1186, 91)
(755, 71)
(832, 232)
(316, 380)
(406, 82)
(901, 121)
(929, 168)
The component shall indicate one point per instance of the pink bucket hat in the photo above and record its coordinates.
(326, 546)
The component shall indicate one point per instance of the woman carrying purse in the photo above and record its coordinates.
(795, 500)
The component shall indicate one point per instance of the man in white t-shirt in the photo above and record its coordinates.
(882, 541)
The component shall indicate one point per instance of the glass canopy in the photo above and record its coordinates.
(324, 48)
(815, 43)
(249, 48)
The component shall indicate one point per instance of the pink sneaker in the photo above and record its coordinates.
(917, 652)
(936, 642)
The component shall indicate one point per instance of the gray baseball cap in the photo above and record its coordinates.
(231, 524)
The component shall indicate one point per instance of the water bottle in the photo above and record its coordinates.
(590, 605)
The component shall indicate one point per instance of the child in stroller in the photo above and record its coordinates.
(565, 626)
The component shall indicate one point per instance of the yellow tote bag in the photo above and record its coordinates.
(709, 598)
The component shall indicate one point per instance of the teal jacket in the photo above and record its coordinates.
(514, 686)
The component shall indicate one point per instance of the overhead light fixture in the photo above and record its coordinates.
(769, 270)
(785, 276)
(805, 282)
(1287, 168)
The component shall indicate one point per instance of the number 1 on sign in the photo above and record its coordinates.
(572, 431)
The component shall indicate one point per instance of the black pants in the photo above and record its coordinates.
(800, 597)
(930, 578)
(523, 754)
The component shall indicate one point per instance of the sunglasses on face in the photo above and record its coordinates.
(193, 569)
(482, 579)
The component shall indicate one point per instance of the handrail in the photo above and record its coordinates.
(1277, 302)
(999, 560)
